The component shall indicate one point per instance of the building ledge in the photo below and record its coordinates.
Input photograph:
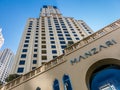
(104, 31)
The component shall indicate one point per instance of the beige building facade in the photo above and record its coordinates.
(78, 67)
(46, 37)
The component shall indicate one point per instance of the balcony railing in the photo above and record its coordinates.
(35, 72)
(96, 35)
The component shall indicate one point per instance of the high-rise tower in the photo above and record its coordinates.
(6, 64)
(1, 38)
(45, 38)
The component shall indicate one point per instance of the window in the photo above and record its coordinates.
(63, 46)
(43, 31)
(24, 50)
(67, 34)
(62, 42)
(52, 42)
(50, 31)
(25, 45)
(56, 85)
(29, 30)
(77, 39)
(36, 34)
(62, 23)
(34, 61)
(20, 70)
(57, 25)
(26, 41)
(36, 37)
(43, 51)
(54, 51)
(36, 45)
(59, 31)
(69, 38)
(60, 34)
(51, 38)
(23, 56)
(22, 62)
(65, 31)
(27, 37)
(43, 34)
(63, 26)
(43, 42)
(45, 6)
(37, 24)
(55, 7)
(89, 32)
(36, 41)
(63, 51)
(43, 37)
(33, 68)
(50, 28)
(44, 57)
(28, 34)
(61, 38)
(51, 34)
(58, 28)
(75, 34)
(38, 88)
(35, 50)
(54, 57)
(43, 46)
(67, 83)
(37, 29)
(34, 55)
(70, 42)
(53, 46)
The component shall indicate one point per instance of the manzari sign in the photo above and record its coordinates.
(93, 51)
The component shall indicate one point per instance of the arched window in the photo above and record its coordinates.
(56, 85)
(38, 88)
(107, 78)
(67, 83)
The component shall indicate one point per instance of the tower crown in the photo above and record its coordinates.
(49, 10)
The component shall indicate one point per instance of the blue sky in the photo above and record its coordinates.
(14, 14)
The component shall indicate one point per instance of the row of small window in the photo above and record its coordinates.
(44, 46)
(60, 33)
(22, 62)
(21, 69)
(27, 41)
(61, 38)
(66, 83)
(62, 46)
(61, 42)
(68, 23)
(35, 55)
(24, 55)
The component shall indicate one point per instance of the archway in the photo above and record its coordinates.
(104, 75)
